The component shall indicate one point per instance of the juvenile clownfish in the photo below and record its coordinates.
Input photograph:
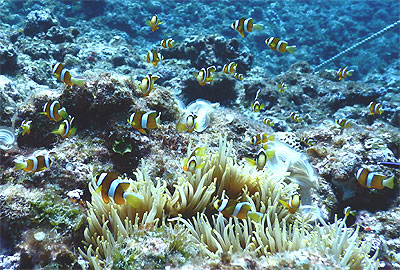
(65, 129)
(256, 105)
(370, 179)
(154, 23)
(347, 211)
(343, 123)
(296, 117)
(245, 25)
(167, 43)
(26, 127)
(191, 163)
(293, 204)
(229, 68)
(35, 164)
(113, 187)
(238, 76)
(147, 84)
(63, 75)
(375, 108)
(261, 138)
(282, 87)
(234, 208)
(344, 72)
(263, 155)
(141, 120)
(307, 141)
(52, 110)
(279, 45)
(268, 122)
(190, 124)
(204, 76)
(153, 57)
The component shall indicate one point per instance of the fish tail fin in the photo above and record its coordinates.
(255, 216)
(20, 165)
(73, 131)
(60, 130)
(389, 182)
(200, 166)
(291, 49)
(258, 27)
(201, 151)
(181, 127)
(134, 199)
(350, 72)
(78, 81)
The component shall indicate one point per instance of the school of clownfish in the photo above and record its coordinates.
(111, 186)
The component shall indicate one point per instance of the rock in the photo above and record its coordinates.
(58, 35)
(39, 21)
(8, 58)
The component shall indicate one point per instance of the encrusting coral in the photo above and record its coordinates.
(188, 212)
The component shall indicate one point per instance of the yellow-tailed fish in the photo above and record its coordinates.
(370, 179)
(229, 68)
(26, 126)
(347, 211)
(147, 84)
(65, 129)
(262, 156)
(238, 76)
(279, 45)
(153, 57)
(343, 123)
(375, 108)
(154, 23)
(35, 164)
(189, 125)
(204, 76)
(53, 111)
(244, 25)
(234, 208)
(63, 75)
(261, 138)
(256, 105)
(268, 122)
(296, 117)
(293, 204)
(307, 141)
(167, 43)
(141, 120)
(344, 72)
(111, 186)
(191, 163)
(282, 87)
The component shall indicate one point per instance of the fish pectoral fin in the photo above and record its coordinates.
(284, 204)
(133, 199)
(250, 161)
(255, 216)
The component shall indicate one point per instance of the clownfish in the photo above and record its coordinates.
(153, 57)
(307, 141)
(167, 43)
(147, 84)
(344, 72)
(154, 23)
(229, 68)
(204, 76)
(234, 208)
(35, 164)
(281, 87)
(370, 179)
(279, 45)
(189, 125)
(63, 75)
(238, 76)
(65, 129)
(256, 105)
(52, 110)
(268, 122)
(258, 139)
(296, 117)
(293, 204)
(245, 25)
(26, 127)
(375, 107)
(343, 123)
(347, 211)
(113, 187)
(262, 156)
(141, 120)
(191, 163)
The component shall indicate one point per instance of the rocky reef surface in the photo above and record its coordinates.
(44, 215)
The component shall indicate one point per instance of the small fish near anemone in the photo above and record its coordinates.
(63, 75)
(53, 111)
(229, 68)
(167, 43)
(111, 186)
(343, 123)
(370, 179)
(279, 45)
(344, 72)
(147, 84)
(262, 156)
(307, 141)
(268, 122)
(154, 23)
(256, 105)
(35, 164)
(296, 117)
(141, 120)
(244, 25)
(293, 204)
(65, 129)
(261, 138)
(191, 163)
(375, 108)
(234, 208)
(189, 125)
(197, 116)
(282, 87)
(153, 57)
(26, 126)
(238, 76)
(204, 76)
(347, 211)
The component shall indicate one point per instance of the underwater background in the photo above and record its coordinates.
(123, 149)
